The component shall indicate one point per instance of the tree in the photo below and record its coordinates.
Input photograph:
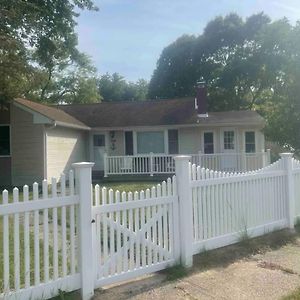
(115, 88)
(248, 64)
(37, 36)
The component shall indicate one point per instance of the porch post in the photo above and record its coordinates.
(244, 165)
(199, 158)
(268, 156)
(151, 163)
(263, 158)
(105, 164)
(183, 179)
(83, 181)
(288, 165)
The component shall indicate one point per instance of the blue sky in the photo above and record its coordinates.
(127, 36)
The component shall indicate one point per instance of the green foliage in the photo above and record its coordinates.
(248, 64)
(115, 88)
(38, 42)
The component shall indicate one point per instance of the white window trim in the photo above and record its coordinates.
(214, 139)
(9, 125)
(235, 139)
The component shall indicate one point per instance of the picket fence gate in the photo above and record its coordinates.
(70, 236)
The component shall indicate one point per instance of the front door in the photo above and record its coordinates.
(229, 159)
(99, 150)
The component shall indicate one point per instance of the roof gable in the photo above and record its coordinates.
(48, 114)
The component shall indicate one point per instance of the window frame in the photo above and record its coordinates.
(9, 128)
(255, 141)
(214, 141)
(168, 141)
(234, 139)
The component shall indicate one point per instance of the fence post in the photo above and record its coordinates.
(183, 178)
(83, 181)
(288, 165)
(105, 164)
(151, 163)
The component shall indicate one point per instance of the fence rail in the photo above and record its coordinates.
(151, 164)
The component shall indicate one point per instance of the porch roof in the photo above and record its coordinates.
(155, 113)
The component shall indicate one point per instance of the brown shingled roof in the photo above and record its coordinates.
(57, 115)
(153, 113)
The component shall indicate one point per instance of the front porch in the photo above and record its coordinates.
(157, 164)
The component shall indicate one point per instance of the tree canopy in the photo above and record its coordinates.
(248, 64)
(39, 50)
(115, 88)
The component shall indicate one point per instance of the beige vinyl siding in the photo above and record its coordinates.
(27, 148)
(115, 145)
(64, 147)
(189, 140)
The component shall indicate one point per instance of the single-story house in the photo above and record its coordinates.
(38, 141)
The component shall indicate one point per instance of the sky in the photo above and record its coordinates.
(127, 36)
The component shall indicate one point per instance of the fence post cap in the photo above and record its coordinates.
(182, 157)
(286, 155)
(83, 165)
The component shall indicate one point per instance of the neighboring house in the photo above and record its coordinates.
(39, 141)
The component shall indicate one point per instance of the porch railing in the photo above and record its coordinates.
(152, 164)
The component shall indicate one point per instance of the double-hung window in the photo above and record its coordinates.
(208, 141)
(4, 140)
(250, 142)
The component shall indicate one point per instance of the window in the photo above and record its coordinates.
(250, 141)
(208, 139)
(99, 140)
(4, 140)
(128, 143)
(173, 141)
(150, 141)
(228, 140)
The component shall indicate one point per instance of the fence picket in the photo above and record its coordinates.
(27, 240)
(45, 232)
(63, 227)
(55, 231)
(16, 243)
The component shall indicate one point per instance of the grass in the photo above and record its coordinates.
(129, 186)
(176, 272)
(293, 296)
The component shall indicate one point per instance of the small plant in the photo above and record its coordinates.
(297, 224)
(293, 296)
(175, 272)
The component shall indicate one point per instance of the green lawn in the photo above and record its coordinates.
(129, 186)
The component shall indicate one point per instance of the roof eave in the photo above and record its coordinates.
(63, 124)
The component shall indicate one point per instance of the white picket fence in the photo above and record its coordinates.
(153, 164)
(136, 233)
(68, 236)
(38, 235)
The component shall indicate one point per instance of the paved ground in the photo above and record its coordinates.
(263, 268)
